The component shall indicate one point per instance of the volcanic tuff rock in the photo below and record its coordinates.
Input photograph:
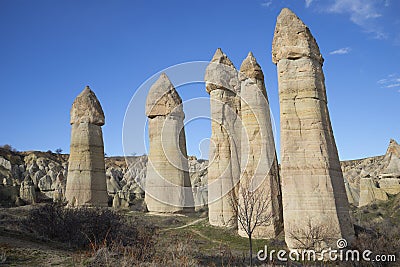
(129, 172)
(59, 186)
(384, 172)
(37, 164)
(27, 190)
(198, 177)
(224, 167)
(393, 157)
(87, 109)
(168, 187)
(369, 192)
(259, 165)
(163, 99)
(312, 180)
(86, 182)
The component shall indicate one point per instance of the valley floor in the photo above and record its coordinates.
(187, 238)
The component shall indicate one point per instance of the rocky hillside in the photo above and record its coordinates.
(38, 176)
(375, 178)
(46, 172)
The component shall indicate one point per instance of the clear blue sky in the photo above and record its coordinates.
(49, 50)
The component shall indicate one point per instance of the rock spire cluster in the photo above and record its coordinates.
(311, 193)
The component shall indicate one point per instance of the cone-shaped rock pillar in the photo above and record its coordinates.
(224, 166)
(259, 166)
(168, 187)
(393, 157)
(313, 190)
(86, 181)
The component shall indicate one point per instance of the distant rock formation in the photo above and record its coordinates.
(198, 177)
(27, 191)
(392, 156)
(259, 165)
(168, 187)
(129, 173)
(59, 186)
(312, 181)
(373, 179)
(86, 181)
(224, 167)
(369, 192)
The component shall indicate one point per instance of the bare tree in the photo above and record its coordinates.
(252, 206)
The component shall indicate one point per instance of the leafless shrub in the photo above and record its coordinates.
(226, 255)
(382, 238)
(315, 235)
(179, 253)
(86, 227)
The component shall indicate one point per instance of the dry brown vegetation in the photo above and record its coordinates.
(36, 236)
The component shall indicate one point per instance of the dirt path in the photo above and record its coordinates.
(193, 230)
(184, 226)
(205, 237)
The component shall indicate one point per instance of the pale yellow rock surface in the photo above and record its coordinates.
(87, 108)
(384, 170)
(224, 166)
(392, 156)
(353, 195)
(168, 187)
(163, 99)
(312, 181)
(27, 191)
(369, 192)
(86, 180)
(259, 165)
(390, 185)
(59, 188)
(393, 148)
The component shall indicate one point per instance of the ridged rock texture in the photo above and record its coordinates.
(313, 189)
(384, 180)
(393, 157)
(168, 187)
(224, 166)
(27, 190)
(86, 181)
(370, 193)
(259, 165)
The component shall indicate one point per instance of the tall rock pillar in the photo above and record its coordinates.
(168, 187)
(224, 166)
(314, 195)
(86, 181)
(259, 165)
